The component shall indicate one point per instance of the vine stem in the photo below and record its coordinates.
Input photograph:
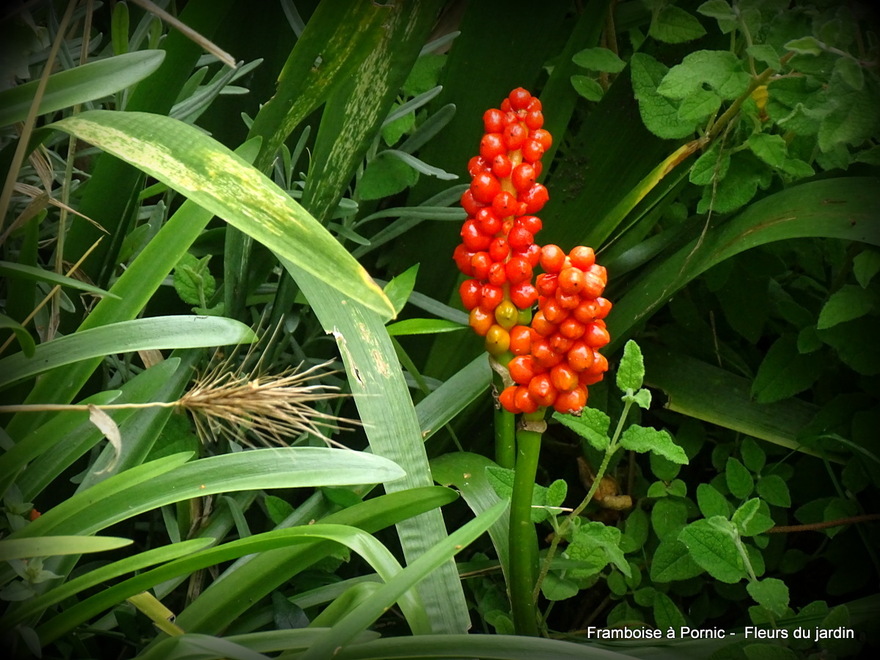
(570, 518)
(505, 422)
(523, 539)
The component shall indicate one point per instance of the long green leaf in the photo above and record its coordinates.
(47, 546)
(83, 83)
(138, 335)
(114, 500)
(21, 334)
(165, 553)
(214, 177)
(367, 612)
(225, 600)
(829, 208)
(13, 270)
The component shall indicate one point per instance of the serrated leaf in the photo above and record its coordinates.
(711, 502)
(710, 543)
(674, 25)
(749, 519)
(737, 188)
(385, 176)
(771, 594)
(659, 114)
(772, 149)
(804, 46)
(672, 561)
(642, 439)
(774, 490)
(720, 69)
(847, 303)
(587, 87)
(556, 588)
(592, 425)
(739, 479)
(866, 265)
(784, 371)
(631, 372)
(599, 59)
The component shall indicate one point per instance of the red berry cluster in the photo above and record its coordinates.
(556, 357)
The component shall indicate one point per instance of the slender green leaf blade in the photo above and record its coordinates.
(205, 171)
(48, 546)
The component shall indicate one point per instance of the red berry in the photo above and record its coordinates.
(519, 99)
(532, 253)
(497, 275)
(488, 222)
(559, 342)
(480, 264)
(473, 238)
(543, 138)
(534, 119)
(520, 238)
(544, 355)
(571, 280)
(470, 292)
(523, 177)
(553, 311)
(524, 295)
(476, 165)
(542, 391)
(462, 257)
(569, 301)
(480, 320)
(542, 326)
(534, 198)
(586, 311)
(518, 270)
(522, 369)
(499, 250)
(506, 399)
(572, 328)
(593, 285)
(563, 377)
(524, 400)
(469, 203)
(531, 222)
(580, 356)
(484, 187)
(491, 296)
(604, 306)
(546, 284)
(493, 120)
(582, 257)
(514, 136)
(552, 258)
(532, 150)
(501, 166)
(596, 335)
(571, 402)
(520, 340)
(505, 204)
(491, 145)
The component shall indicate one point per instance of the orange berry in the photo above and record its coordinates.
(522, 369)
(520, 339)
(542, 391)
(470, 292)
(582, 257)
(563, 377)
(480, 320)
(524, 401)
(596, 335)
(523, 294)
(571, 280)
(497, 340)
(580, 356)
(571, 402)
(506, 398)
(552, 258)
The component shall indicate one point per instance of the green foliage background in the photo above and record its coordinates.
(721, 157)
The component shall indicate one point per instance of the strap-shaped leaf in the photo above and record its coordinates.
(215, 178)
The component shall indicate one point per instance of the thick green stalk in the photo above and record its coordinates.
(523, 539)
(505, 430)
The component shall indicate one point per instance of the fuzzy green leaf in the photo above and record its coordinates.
(631, 372)
(710, 542)
(599, 59)
(771, 594)
(772, 149)
(587, 87)
(668, 517)
(592, 425)
(659, 114)
(752, 455)
(672, 561)
(804, 46)
(643, 439)
(711, 502)
(784, 371)
(866, 264)
(847, 303)
(721, 11)
(666, 613)
(674, 25)
(719, 69)
(765, 53)
(749, 518)
(739, 479)
(774, 490)
(385, 176)
(599, 535)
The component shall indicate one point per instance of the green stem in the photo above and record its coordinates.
(505, 440)
(523, 539)
(566, 524)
